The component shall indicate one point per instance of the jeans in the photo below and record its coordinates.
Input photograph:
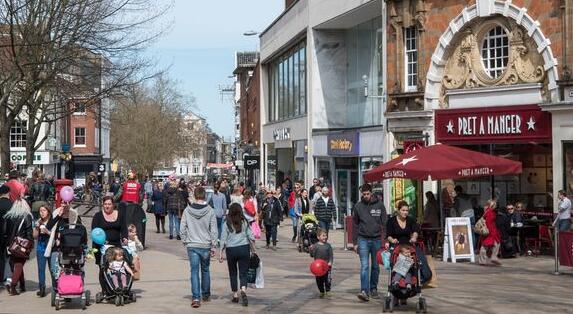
(322, 224)
(219, 227)
(369, 268)
(271, 232)
(199, 258)
(174, 222)
(42, 261)
(564, 225)
(294, 226)
(241, 256)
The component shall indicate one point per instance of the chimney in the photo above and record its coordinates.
(288, 3)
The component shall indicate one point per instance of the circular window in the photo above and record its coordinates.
(495, 51)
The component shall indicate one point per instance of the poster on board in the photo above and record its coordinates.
(460, 239)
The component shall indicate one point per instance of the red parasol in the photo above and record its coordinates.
(439, 162)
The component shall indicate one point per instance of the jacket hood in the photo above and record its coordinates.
(373, 200)
(199, 210)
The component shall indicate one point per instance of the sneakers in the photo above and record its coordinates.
(235, 299)
(178, 237)
(374, 294)
(274, 247)
(206, 298)
(322, 295)
(363, 296)
(244, 299)
(170, 237)
(195, 304)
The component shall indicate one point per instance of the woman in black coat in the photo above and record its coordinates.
(19, 223)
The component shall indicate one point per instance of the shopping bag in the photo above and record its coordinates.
(260, 281)
(256, 230)
(386, 259)
(433, 282)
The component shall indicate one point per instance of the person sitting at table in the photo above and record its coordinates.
(515, 223)
(431, 211)
(503, 223)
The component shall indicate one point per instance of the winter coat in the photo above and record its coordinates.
(490, 221)
(272, 212)
(158, 202)
(173, 200)
(25, 232)
(324, 212)
(368, 219)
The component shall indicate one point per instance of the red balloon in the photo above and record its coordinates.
(319, 267)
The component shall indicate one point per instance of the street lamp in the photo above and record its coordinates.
(250, 33)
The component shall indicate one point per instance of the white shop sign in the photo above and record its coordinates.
(40, 158)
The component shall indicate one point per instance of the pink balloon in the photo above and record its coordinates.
(67, 193)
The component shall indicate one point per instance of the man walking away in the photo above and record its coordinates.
(199, 235)
(368, 218)
(564, 218)
(219, 204)
(324, 210)
(40, 191)
(272, 216)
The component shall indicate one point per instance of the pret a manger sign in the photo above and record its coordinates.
(486, 125)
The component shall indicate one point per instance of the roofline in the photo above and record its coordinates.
(278, 18)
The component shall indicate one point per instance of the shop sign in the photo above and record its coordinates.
(40, 158)
(251, 162)
(483, 125)
(282, 134)
(272, 162)
(343, 144)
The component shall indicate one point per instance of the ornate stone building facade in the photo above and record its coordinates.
(454, 61)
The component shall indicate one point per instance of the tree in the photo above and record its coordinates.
(148, 125)
(52, 51)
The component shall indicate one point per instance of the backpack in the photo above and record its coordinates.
(481, 228)
(250, 208)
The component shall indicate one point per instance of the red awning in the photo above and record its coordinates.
(219, 165)
(439, 162)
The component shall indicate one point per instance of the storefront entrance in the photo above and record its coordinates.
(346, 192)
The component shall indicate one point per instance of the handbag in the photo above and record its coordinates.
(481, 228)
(256, 230)
(20, 247)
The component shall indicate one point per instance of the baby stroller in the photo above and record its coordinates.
(120, 295)
(70, 282)
(307, 232)
(401, 289)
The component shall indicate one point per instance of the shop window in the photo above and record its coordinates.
(80, 137)
(568, 167)
(495, 51)
(287, 85)
(18, 133)
(411, 58)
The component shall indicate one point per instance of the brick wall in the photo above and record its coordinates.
(89, 122)
(250, 108)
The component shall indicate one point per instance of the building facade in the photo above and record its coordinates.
(322, 80)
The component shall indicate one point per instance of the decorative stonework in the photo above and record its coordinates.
(464, 68)
(531, 60)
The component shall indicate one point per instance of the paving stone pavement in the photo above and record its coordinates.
(523, 285)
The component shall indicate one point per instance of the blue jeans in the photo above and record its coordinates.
(322, 224)
(369, 269)
(42, 261)
(564, 225)
(199, 257)
(173, 222)
(219, 227)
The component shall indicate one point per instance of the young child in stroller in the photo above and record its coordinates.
(308, 232)
(403, 279)
(118, 274)
(117, 269)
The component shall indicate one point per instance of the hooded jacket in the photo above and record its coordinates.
(368, 219)
(199, 226)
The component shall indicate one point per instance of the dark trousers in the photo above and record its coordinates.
(2, 262)
(238, 256)
(160, 222)
(271, 232)
(323, 282)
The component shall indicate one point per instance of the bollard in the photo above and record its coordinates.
(556, 246)
(345, 235)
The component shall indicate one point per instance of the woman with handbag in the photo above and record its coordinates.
(490, 236)
(239, 243)
(301, 207)
(42, 234)
(20, 241)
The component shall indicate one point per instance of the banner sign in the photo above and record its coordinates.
(251, 162)
(486, 125)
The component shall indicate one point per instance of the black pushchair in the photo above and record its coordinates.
(122, 294)
(307, 236)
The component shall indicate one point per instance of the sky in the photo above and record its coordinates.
(199, 50)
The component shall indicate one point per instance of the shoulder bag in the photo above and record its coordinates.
(481, 228)
(20, 247)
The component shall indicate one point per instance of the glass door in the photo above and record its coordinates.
(346, 193)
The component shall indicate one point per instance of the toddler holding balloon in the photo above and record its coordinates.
(322, 265)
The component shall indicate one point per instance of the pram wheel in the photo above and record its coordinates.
(99, 297)
(388, 305)
(53, 298)
(132, 297)
(84, 304)
(421, 306)
(117, 300)
(57, 304)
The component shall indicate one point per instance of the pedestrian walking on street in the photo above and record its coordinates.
(42, 234)
(368, 219)
(249, 205)
(491, 242)
(324, 210)
(323, 250)
(312, 189)
(19, 223)
(17, 189)
(237, 196)
(219, 204)
(317, 195)
(563, 222)
(158, 207)
(5, 206)
(301, 207)
(272, 216)
(39, 191)
(199, 235)
(130, 191)
(238, 243)
(293, 212)
(173, 204)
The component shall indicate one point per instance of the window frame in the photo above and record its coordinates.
(76, 136)
(486, 49)
(411, 59)
(19, 137)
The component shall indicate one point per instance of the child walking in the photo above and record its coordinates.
(322, 250)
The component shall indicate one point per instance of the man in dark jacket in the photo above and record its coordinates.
(368, 218)
(312, 188)
(40, 191)
(5, 205)
(324, 210)
(272, 216)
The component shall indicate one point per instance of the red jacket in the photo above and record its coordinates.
(17, 189)
(131, 191)
(493, 236)
(291, 200)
